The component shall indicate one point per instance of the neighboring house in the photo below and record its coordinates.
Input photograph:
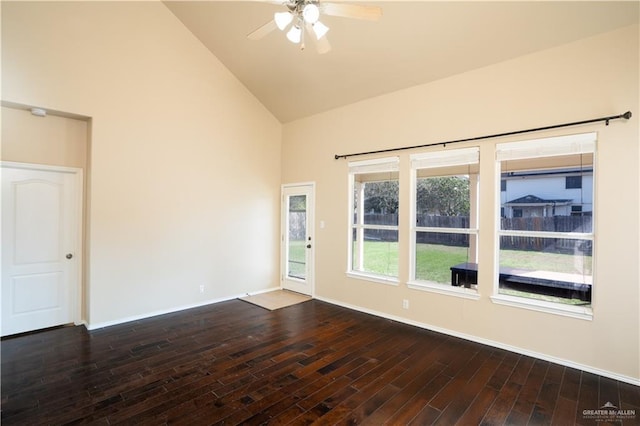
(566, 192)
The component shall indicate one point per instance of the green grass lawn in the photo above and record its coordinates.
(552, 262)
(433, 263)
(297, 259)
(381, 257)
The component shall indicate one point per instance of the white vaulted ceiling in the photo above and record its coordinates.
(414, 42)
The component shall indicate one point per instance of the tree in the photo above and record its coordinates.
(443, 196)
(381, 197)
(298, 203)
(440, 196)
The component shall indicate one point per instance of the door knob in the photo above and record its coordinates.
(308, 245)
(69, 256)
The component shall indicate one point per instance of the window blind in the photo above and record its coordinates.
(547, 147)
(453, 157)
(379, 165)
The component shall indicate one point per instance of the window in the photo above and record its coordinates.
(373, 211)
(573, 182)
(545, 233)
(444, 229)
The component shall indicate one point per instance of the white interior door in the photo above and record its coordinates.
(40, 246)
(297, 238)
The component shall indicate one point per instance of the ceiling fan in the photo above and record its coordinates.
(302, 17)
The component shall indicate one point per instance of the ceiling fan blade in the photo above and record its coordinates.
(278, 2)
(346, 10)
(262, 31)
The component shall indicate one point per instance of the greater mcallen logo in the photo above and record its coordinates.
(609, 413)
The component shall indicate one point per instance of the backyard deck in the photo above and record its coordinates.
(543, 282)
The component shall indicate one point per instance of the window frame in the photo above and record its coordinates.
(441, 159)
(538, 149)
(378, 165)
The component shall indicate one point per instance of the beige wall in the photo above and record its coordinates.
(591, 78)
(185, 162)
(49, 140)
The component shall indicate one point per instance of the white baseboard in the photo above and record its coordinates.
(253, 293)
(526, 352)
(95, 326)
(170, 310)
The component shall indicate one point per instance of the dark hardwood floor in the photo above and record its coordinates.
(233, 363)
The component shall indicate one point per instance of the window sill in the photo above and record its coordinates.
(465, 293)
(542, 306)
(373, 278)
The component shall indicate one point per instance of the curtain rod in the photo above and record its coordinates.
(627, 115)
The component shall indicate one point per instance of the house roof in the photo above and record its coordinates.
(415, 42)
(533, 200)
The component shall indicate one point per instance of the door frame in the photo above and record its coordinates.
(77, 209)
(311, 187)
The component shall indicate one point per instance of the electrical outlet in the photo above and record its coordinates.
(202, 289)
(405, 304)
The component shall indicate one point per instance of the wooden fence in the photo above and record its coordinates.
(582, 224)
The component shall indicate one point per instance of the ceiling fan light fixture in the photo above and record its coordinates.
(282, 19)
(319, 29)
(311, 13)
(301, 19)
(294, 34)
